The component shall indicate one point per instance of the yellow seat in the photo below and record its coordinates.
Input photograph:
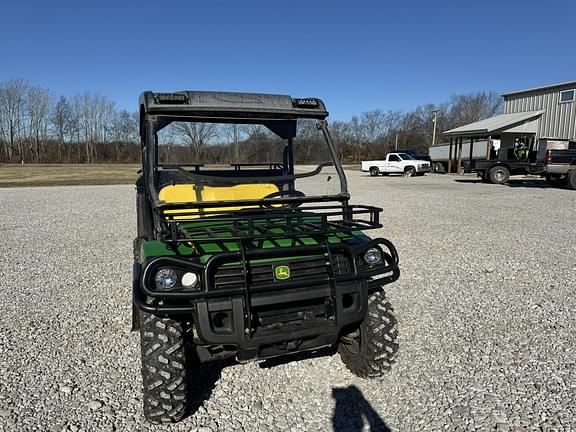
(188, 193)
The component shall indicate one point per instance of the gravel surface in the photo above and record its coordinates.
(486, 308)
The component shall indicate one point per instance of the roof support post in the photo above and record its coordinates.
(459, 163)
(323, 126)
(488, 147)
(450, 156)
(471, 155)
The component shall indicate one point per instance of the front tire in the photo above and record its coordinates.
(370, 350)
(164, 369)
(499, 174)
(410, 172)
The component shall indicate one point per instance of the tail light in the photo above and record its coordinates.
(548, 158)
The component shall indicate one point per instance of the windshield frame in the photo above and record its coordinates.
(152, 124)
(405, 156)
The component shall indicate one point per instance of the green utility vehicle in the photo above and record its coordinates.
(238, 260)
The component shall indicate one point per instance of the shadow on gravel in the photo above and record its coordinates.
(277, 361)
(528, 183)
(202, 381)
(352, 412)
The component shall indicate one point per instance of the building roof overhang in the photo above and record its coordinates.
(499, 123)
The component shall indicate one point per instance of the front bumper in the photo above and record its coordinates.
(315, 320)
(258, 317)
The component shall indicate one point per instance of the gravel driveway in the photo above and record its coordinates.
(486, 307)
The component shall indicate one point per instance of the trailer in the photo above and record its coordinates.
(526, 157)
(441, 155)
(498, 171)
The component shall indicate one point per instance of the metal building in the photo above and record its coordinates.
(557, 123)
(538, 118)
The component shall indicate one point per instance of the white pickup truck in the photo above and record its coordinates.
(396, 163)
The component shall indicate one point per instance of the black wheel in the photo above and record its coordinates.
(370, 350)
(499, 174)
(571, 180)
(374, 171)
(410, 171)
(439, 168)
(164, 368)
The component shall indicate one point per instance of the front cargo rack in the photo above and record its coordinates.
(259, 224)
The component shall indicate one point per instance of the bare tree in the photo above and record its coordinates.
(356, 135)
(63, 125)
(372, 124)
(341, 135)
(38, 107)
(195, 135)
(93, 116)
(124, 130)
(233, 133)
(473, 107)
(12, 109)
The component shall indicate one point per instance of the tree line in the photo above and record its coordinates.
(38, 127)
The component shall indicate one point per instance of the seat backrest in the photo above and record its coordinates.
(189, 193)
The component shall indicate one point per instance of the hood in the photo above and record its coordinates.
(205, 249)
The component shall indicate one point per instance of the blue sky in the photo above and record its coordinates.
(355, 55)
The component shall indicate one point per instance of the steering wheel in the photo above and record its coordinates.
(283, 193)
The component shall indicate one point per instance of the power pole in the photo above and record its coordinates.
(434, 115)
(396, 145)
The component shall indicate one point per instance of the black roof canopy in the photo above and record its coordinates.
(216, 105)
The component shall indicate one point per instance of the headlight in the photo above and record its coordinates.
(165, 279)
(373, 256)
(189, 280)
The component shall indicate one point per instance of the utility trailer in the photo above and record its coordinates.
(512, 161)
(494, 160)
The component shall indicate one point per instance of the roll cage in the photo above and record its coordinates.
(276, 112)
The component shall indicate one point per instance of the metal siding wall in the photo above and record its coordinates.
(559, 120)
(442, 152)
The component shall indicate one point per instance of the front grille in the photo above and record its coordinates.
(341, 265)
(231, 276)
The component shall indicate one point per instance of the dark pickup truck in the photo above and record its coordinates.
(561, 167)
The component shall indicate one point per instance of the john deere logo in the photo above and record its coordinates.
(282, 272)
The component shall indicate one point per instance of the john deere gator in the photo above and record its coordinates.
(236, 259)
